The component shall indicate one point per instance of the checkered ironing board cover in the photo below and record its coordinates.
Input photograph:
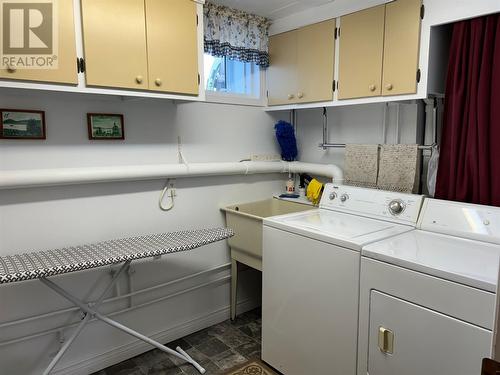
(37, 264)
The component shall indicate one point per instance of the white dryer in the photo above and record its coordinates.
(310, 276)
(427, 297)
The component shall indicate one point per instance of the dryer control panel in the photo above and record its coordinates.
(379, 204)
(464, 220)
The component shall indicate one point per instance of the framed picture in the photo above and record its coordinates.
(105, 126)
(22, 124)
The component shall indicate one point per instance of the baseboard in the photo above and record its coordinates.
(137, 347)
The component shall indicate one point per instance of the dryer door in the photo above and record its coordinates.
(412, 340)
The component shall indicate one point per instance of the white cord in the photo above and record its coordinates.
(182, 159)
(171, 195)
(167, 190)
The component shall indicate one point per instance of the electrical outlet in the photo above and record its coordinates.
(265, 157)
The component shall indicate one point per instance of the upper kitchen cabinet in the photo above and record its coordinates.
(172, 46)
(141, 44)
(361, 53)
(302, 65)
(282, 80)
(379, 50)
(66, 70)
(315, 62)
(114, 35)
(401, 47)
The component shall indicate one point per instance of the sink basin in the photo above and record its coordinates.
(246, 221)
(246, 245)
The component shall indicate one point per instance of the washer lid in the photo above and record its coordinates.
(338, 228)
(464, 261)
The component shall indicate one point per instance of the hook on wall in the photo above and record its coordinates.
(170, 189)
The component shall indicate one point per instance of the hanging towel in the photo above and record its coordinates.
(398, 168)
(361, 165)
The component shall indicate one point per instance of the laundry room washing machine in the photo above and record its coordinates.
(310, 276)
(428, 296)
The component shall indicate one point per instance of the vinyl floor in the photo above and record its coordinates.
(217, 348)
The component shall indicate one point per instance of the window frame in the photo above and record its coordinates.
(238, 99)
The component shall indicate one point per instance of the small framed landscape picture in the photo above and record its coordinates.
(105, 126)
(22, 124)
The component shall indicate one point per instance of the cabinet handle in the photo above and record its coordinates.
(300, 95)
(158, 82)
(138, 79)
(372, 87)
(389, 86)
(385, 340)
(290, 96)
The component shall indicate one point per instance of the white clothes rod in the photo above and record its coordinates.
(24, 178)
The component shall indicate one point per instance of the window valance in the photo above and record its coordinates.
(236, 34)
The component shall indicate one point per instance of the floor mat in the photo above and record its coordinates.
(252, 367)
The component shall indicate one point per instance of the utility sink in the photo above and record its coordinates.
(246, 245)
(246, 221)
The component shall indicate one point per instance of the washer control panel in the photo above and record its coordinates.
(387, 205)
(396, 206)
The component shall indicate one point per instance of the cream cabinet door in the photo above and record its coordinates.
(315, 62)
(66, 71)
(401, 47)
(360, 53)
(114, 35)
(172, 46)
(282, 76)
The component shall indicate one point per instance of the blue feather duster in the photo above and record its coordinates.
(286, 139)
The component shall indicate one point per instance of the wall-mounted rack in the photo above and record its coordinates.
(326, 145)
(342, 145)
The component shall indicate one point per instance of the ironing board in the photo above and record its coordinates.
(42, 264)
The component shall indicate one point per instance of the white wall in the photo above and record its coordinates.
(354, 124)
(41, 218)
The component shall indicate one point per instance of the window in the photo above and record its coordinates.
(223, 75)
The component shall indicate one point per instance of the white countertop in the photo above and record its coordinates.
(464, 261)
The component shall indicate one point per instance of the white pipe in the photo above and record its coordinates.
(69, 176)
(327, 170)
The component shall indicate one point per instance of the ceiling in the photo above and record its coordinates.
(272, 9)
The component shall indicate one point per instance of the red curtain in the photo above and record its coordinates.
(469, 165)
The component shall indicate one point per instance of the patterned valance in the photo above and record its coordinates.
(236, 34)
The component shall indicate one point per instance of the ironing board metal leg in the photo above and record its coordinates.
(152, 342)
(89, 310)
(66, 345)
(192, 361)
(85, 320)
